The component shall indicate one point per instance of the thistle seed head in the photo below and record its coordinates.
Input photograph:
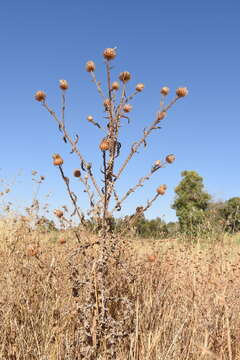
(157, 163)
(127, 108)
(115, 85)
(107, 104)
(40, 95)
(90, 66)
(181, 92)
(165, 90)
(104, 145)
(125, 76)
(63, 84)
(109, 54)
(57, 160)
(77, 173)
(161, 189)
(90, 118)
(139, 87)
(62, 241)
(170, 158)
(58, 213)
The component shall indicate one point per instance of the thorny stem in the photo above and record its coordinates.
(87, 190)
(63, 108)
(74, 146)
(143, 139)
(108, 170)
(105, 190)
(72, 197)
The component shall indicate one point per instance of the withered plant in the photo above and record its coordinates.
(108, 315)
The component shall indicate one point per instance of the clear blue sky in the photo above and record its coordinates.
(174, 43)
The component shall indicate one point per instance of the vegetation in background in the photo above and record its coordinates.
(191, 202)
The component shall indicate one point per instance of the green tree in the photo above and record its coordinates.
(231, 214)
(154, 228)
(191, 202)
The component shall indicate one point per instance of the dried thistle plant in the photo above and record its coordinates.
(105, 200)
(116, 108)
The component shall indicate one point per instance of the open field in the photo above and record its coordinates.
(186, 298)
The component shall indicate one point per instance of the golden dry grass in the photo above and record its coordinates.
(187, 298)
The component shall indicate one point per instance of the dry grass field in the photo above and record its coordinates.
(186, 298)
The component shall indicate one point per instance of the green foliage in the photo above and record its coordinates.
(231, 214)
(155, 228)
(191, 202)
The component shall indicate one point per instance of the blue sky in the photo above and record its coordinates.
(173, 43)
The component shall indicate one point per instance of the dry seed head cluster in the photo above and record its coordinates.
(139, 87)
(90, 66)
(90, 118)
(127, 108)
(165, 90)
(181, 92)
(58, 213)
(104, 145)
(170, 158)
(62, 241)
(161, 189)
(57, 160)
(63, 84)
(109, 53)
(115, 85)
(107, 104)
(125, 76)
(77, 173)
(40, 95)
(157, 163)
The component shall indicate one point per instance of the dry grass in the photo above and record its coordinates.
(187, 299)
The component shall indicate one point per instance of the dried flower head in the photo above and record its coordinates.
(58, 213)
(62, 241)
(104, 145)
(125, 76)
(77, 173)
(107, 104)
(170, 158)
(165, 90)
(63, 84)
(157, 163)
(40, 95)
(139, 87)
(151, 258)
(161, 115)
(161, 189)
(109, 53)
(127, 108)
(90, 118)
(90, 66)
(181, 92)
(115, 85)
(57, 160)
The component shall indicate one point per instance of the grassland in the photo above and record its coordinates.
(187, 297)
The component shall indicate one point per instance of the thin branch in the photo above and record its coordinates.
(74, 147)
(139, 211)
(139, 184)
(99, 89)
(136, 145)
(72, 196)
